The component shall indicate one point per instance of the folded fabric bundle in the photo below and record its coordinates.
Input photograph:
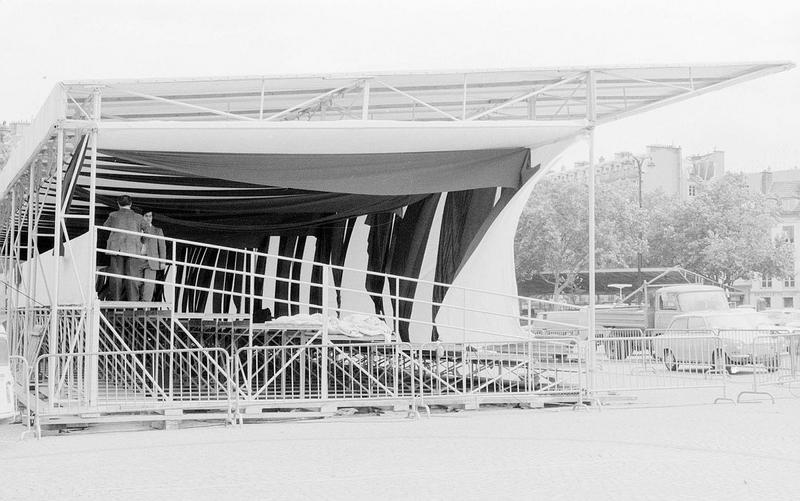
(355, 325)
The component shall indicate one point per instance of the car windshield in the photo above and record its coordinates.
(703, 300)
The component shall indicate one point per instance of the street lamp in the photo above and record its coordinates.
(619, 287)
(639, 162)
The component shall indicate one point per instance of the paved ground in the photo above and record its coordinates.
(726, 451)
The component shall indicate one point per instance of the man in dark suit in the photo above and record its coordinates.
(152, 248)
(124, 219)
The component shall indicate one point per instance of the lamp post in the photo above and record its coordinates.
(639, 162)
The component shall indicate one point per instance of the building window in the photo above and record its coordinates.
(692, 190)
(767, 302)
(766, 282)
(788, 234)
(788, 302)
(788, 281)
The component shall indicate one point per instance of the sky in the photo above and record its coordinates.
(755, 123)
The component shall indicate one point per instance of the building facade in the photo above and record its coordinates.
(783, 190)
(663, 168)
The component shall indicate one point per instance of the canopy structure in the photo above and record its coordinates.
(421, 175)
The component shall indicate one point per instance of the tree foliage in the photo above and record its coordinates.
(553, 234)
(724, 232)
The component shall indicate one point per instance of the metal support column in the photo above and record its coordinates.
(93, 312)
(31, 255)
(56, 274)
(591, 117)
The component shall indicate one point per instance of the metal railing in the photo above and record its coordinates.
(244, 287)
(131, 381)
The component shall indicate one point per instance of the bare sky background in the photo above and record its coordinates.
(757, 124)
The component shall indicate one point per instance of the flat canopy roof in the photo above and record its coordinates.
(559, 93)
(360, 113)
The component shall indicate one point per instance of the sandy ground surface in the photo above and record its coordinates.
(651, 451)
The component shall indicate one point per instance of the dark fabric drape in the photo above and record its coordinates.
(408, 248)
(372, 174)
(239, 200)
(340, 241)
(378, 241)
(294, 287)
(464, 213)
(282, 274)
(69, 181)
(194, 300)
(260, 273)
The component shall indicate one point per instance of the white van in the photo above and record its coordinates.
(7, 409)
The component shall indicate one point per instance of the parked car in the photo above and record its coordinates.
(719, 340)
(786, 317)
(7, 409)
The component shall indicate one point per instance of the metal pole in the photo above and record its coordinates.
(31, 265)
(15, 249)
(591, 117)
(639, 253)
(53, 334)
(93, 327)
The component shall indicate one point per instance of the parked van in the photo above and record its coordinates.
(7, 408)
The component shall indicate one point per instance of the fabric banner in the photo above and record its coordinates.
(367, 174)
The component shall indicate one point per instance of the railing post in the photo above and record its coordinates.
(530, 321)
(253, 263)
(326, 272)
(396, 306)
(464, 317)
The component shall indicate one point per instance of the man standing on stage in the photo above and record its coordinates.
(152, 248)
(124, 219)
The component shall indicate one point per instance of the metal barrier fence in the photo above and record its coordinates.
(21, 377)
(774, 360)
(401, 371)
(132, 381)
(672, 360)
(321, 372)
(542, 366)
(444, 373)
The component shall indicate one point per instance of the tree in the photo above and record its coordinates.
(553, 235)
(724, 232)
